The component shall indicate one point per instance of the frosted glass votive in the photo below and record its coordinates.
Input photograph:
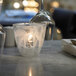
(29, 37)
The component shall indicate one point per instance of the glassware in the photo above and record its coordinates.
(46, 17)
(2, 39)
(1, 1)
(29, 38)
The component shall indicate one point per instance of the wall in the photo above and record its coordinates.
(71, 4)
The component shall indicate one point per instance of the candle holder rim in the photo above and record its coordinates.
(29, 24)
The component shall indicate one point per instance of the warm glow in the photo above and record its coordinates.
(55, 4)
(30, 38)
(34, 4)
(58, 31)
(52, 10)
(25, 3)
(30, 6)
(50, 31)
(1, 1)
(30, 72)
(31, 10)
(30, 3)
(16, 5)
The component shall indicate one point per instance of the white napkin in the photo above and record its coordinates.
(68, 47)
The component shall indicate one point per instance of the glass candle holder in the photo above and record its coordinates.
(29, 38)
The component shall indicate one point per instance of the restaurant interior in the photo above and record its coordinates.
(63, 13)
(37, 37)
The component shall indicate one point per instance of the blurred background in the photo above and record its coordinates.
(63, 13)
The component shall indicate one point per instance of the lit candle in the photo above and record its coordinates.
(30, 38)
(30, 41)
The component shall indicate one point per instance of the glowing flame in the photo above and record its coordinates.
(30, 37)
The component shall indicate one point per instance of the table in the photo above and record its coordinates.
(51, 62)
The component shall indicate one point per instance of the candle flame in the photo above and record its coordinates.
(30, 37)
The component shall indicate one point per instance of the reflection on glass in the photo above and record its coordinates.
(59, 35)
(58, 31)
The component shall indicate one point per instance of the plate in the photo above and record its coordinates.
(68, 46)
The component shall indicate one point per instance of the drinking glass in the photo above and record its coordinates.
(2, 39)
(46, 17)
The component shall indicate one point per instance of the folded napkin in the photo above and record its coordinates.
(68, 46)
